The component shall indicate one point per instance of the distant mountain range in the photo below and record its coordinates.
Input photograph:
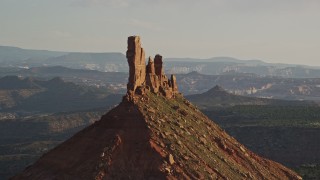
(116, 62)
(252, 85)
(192, 83)
(17, 57)
(29, 95)
(13, 55)
(218, 97)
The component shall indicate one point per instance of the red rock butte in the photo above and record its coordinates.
(148, 77)
(154, 133)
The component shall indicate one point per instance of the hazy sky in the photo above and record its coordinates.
(285, 31)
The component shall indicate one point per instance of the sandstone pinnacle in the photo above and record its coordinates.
(147, 77)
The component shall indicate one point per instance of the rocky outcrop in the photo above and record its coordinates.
(137, 64)
(152, 80)
(144, 78)
(174, 83)
(158, 65)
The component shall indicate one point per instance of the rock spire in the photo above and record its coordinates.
(137, 63)
(149, 77)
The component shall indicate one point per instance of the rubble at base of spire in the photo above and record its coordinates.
(150, 77)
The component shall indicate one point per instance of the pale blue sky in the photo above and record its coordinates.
(284, 31)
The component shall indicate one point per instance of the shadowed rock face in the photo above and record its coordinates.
(174, 83)
(158, 65)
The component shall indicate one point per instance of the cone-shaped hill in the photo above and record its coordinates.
(154, 133)
(219, 97)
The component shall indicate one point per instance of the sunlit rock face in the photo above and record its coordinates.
(149, 77)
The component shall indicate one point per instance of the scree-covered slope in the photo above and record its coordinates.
(154, 137)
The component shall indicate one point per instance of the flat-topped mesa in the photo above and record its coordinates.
(150, 77)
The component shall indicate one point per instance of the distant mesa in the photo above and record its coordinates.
(148, 77)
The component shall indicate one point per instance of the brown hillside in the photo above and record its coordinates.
(154, 133)
(135, 140)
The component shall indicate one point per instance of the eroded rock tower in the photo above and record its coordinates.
(137, 63)
(148, 77)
